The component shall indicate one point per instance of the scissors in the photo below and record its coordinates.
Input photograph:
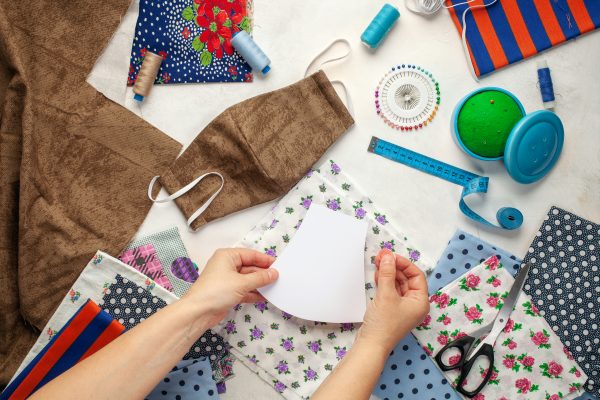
(485, 337)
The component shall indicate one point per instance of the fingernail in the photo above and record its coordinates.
(387, 257)
(271, 273)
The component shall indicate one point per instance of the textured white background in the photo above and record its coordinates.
(425, 207)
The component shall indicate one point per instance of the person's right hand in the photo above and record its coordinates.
(400, 304)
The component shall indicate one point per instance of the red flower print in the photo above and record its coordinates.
(473, 314)
(454, 359)
(472, 280)
(236, 9)
(512, 345)
(553, 397)
(492, 301)
(540, 338)
(523, 385)
(508, 362)
(447, 320)
(460, 335)
(232, 70)
(492, 263)
(567, 352)
(426, 321)
(163, 54)
(509, 325)
(185, 32)
(248, 77)
(428, 349)
(554, 368)
(442, 300)
(528, 361)
(493, 376)
(216, 35)
(496, 282)
(478, 396)
(443, 338)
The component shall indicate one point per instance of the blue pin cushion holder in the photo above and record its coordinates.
(533, 145)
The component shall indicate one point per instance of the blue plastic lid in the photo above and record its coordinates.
(533, 146)
(266, 69)
(138, 97)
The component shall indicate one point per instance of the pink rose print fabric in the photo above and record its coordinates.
(293, 355)
(530, 362)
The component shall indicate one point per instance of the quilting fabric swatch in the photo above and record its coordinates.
(95, 282)
(530, 361)
(131, 304)
(564, 283)
(194, 39)
(184, 269)
(291, 354)
(169, 247)
(187, 381)
(88, 330)
(144, 259)
(409, 373)
(509, 31)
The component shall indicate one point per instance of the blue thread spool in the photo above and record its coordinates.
(380, 26)
(248, 49)
(546, 87)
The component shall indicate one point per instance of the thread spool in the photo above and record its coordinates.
(546, 87)
(380, 26)
(250, 51)
(147, 75)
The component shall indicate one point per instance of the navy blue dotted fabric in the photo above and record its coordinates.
(409, 373)
(188, 380)
(564, 283)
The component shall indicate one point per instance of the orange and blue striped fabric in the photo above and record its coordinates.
(511, 30)
(89, 330)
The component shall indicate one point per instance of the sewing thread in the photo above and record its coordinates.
(147, 75)
(380, 26)
(546, 87)
(250, 51)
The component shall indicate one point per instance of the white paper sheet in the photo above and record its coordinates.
(321, 271)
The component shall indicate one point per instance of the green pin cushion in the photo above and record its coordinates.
(484, 119)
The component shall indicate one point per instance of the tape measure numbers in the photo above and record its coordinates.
(508, 217)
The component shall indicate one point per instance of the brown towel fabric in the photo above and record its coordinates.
(74, 167)
(261, 146)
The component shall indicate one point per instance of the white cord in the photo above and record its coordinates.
(464, 36)
(429, 7)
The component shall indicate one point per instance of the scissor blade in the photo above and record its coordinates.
(507, 308)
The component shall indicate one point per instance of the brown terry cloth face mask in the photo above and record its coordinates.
(255, 151)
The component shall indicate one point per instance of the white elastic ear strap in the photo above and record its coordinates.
(330, 60)
(186, 189)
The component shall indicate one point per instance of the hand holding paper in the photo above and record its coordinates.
(321, 272)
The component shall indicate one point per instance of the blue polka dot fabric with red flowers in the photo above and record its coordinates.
(409, 373)
(193, 38)
(188, 380)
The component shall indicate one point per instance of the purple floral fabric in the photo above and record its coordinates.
(294, 355)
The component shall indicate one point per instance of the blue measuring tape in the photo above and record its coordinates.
(508, 217)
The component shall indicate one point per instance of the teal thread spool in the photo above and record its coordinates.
(380, 26)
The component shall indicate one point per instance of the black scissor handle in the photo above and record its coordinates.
(485, 351)
(463, 345)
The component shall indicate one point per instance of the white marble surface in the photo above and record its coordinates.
(292, 33)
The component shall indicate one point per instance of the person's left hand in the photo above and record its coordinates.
(230, 277)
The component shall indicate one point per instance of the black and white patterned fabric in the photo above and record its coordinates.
(131, 304)
(564, 283)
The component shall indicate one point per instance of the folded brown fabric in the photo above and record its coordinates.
(257, 149)
(74, 167)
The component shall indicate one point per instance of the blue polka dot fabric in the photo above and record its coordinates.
(188, 380)
(409, 373)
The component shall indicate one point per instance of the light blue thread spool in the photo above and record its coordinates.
(250, 51)
(380, 26)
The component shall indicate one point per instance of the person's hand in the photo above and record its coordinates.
(401, 302)
(230, 277)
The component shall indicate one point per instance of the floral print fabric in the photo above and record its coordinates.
(194, 39)
(291, 354)
(530, 361)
